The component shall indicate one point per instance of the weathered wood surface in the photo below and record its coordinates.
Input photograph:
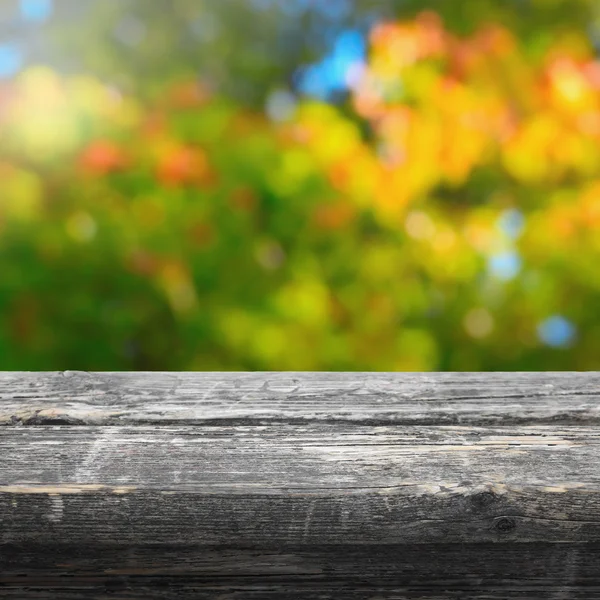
(432, 571)
(299, 485)
(310, 483)
(403, 398)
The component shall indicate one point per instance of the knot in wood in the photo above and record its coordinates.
(505, 524)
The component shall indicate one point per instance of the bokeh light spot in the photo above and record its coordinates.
(478, 322)
(280, 105)
(419, 225)
(337, 70)
(81, 227)
(504, 265)
(270, 255)
(556, 331)
(11, 61)
(511, 222)
(36, 10)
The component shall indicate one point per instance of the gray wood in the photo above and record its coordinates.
(310, 483)
(299, 485)
(401, 398)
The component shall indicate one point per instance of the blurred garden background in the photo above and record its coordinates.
(300, 185)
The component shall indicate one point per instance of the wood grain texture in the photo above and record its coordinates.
(433, 571)
(200, 398)
(310, 483)
(299, 485)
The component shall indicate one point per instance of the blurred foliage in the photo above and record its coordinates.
(246, 47)
(445, 215)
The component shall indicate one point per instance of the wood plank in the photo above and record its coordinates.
(201, 398)
(307, 486)
(491, 571)
(327, 483)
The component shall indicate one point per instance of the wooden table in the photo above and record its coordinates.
(366, 486)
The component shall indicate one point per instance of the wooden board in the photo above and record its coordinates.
(299, 485)
(403, 398)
